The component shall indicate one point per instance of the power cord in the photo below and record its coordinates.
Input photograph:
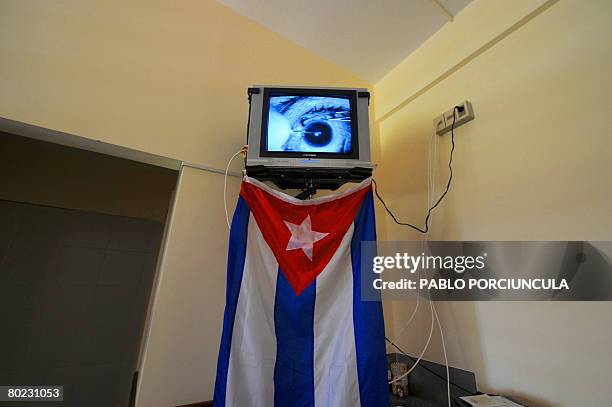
(448, 184)
(448, 382)
(398, 378)
(242, 151)
(458, 109)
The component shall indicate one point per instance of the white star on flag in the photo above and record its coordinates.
(303, 237)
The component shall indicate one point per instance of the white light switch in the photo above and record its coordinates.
(461, 116)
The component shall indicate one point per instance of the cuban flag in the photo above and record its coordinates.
(296, 332)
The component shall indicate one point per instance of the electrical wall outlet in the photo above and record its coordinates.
(439, 124)
(464, 114)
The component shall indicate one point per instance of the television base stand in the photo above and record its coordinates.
(309, 180)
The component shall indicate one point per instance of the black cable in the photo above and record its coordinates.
(248, 119)
(470, 392)
(450, 178)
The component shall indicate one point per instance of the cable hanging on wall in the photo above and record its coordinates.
(434, 315)
(458, 109)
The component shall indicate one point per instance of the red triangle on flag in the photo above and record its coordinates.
(303, 235)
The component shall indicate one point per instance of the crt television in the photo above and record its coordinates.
(300, 132)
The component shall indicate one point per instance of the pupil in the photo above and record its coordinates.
(318, 134)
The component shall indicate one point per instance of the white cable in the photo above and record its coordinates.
(431, 188)
(448, 392)
(398, 378)
(229, 226)
(414, 311)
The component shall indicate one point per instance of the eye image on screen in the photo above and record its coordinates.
(315, 124)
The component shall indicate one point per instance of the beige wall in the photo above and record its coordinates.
(169, 78)
(181, 354)
(534, 164)
(164, 77)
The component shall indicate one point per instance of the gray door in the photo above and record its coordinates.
(74, 289)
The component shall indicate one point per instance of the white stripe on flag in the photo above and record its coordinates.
(336, 381)
(253, 350)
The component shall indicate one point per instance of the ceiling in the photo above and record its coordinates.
(367, 37)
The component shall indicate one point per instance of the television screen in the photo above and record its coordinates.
(309, 124)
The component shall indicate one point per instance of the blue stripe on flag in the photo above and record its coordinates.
(368, 319)
(235, 269)
(294, 325)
